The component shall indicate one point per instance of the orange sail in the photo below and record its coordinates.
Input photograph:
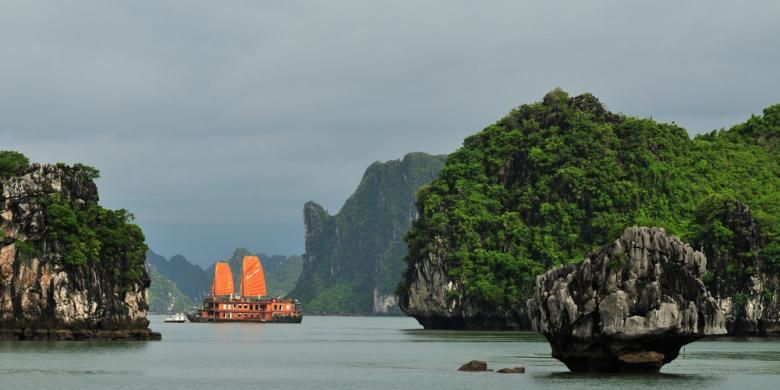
(223, 280)
(253, 278)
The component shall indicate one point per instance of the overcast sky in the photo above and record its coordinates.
(215, 121)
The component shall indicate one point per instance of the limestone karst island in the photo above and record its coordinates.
(406, 195)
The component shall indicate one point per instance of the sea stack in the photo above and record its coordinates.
(69, 269)
(628, 307)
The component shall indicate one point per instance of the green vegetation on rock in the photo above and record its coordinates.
(89, 233)
(282, 272)
(11, 162)
(356, 256)
(554, 179)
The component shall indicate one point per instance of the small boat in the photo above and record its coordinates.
(178, 318)
(251, 305)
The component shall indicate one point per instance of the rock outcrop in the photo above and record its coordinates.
(474, 366)
(552, 180)
(355, 259)
(629, 306)
(67, 272)
(740, 276)
(437, 300)
(513, 370)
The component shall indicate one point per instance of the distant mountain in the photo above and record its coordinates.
(281, 273)
(354, 259)
(164, 296)
(190, 278)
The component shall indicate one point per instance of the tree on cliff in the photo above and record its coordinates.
(11, 162)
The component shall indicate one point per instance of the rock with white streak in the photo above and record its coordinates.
(628, 307)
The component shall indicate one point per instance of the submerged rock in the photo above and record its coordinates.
(474, 366)
(628, 307)
(515, 370)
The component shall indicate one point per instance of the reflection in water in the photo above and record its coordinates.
(96, 347)
(661, 380)
(461, 336)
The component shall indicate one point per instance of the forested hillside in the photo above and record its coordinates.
(554, 179)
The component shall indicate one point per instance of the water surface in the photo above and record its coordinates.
(326, 353)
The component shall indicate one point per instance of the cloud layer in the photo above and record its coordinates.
(215, 121)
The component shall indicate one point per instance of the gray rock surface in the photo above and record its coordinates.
(40, 299)
(474, 366)
(438, 301)
(629, 306)
(514, 370)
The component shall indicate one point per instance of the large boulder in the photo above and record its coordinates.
(628, 307)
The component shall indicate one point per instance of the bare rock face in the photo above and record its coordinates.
(628, 307)
(41, 297)
(438, 301)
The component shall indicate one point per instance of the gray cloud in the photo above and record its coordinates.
(215, 121)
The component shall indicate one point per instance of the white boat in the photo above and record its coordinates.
(178, 317)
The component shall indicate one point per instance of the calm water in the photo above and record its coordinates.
(326, 353)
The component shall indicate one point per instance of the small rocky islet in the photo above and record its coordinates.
(543, 186)
(628, 307)
(69, 269)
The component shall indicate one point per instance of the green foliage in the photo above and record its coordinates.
(165, 296)
(616, 262)
(25, 248)
(332, 300)
(281, 279)
(11, 162)
(361, 249)
(552, 180)
(90, 172)
(90, 234)
(189, 278)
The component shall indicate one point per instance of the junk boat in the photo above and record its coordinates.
(179, 318)
(252, 303)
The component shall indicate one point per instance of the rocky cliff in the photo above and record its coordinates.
(69, 269)
(740, 276)
(354, 259)
(629, 306)
(553, 179)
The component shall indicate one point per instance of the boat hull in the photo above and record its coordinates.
(273, 320)
(259, 310)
